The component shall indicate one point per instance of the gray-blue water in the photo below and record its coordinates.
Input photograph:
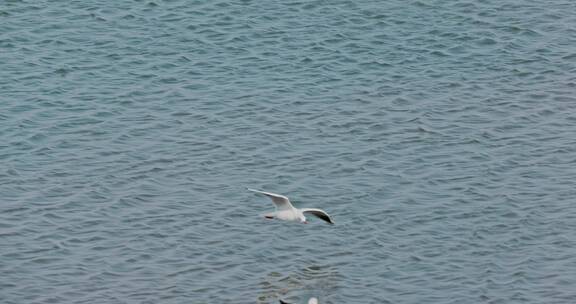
(440, 136)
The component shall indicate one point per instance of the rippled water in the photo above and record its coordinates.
(440, 135)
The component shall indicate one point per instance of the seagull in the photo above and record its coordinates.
(285, 210)
(311, 301)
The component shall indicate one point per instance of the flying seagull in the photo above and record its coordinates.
(311, 301)
(285, 210)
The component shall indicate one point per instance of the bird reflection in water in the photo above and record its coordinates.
(311, 301)
(294, 288)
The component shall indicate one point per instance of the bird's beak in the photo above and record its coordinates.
(305, 222)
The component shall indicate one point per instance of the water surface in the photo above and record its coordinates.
(440, 135)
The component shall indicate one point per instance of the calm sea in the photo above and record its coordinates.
(439, 135)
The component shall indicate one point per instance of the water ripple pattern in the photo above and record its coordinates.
(440, 135)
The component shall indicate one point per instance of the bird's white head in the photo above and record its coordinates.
(313, 301)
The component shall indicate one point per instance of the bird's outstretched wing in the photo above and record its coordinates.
(318, 213)
(282, 302)
(281, 202)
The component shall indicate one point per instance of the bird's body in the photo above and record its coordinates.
(286, 215)
(285, 211)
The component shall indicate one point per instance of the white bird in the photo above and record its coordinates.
(285, 210)
(311, 301)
